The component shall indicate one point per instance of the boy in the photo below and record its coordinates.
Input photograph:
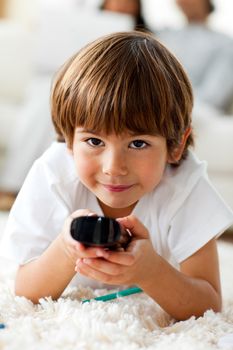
(123, 105)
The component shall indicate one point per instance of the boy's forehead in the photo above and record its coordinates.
(125, 132)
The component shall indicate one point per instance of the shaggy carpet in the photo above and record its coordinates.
(130, 323)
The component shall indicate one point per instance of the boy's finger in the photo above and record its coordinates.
(89, 271)
(91, 252)
(76, 214)
(121, 258)
(99, 265)
(137, 229)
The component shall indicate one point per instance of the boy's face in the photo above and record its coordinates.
(119, 169)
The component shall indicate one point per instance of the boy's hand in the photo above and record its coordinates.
(129, 267)
(73, 249)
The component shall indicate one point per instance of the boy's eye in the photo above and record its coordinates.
(94, 142)
(138, 144)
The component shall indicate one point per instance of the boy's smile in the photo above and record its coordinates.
(119, 169)
(117, 188)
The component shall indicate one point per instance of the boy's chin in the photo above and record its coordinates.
(116, 209)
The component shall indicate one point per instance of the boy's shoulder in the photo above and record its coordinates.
(58, 163)
(190, 168)
(179, 182)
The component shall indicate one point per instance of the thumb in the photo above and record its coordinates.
(135, 226)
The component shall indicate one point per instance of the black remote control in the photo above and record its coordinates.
(99, 231)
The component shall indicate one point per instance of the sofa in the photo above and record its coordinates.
(24, 102)
(15, 74)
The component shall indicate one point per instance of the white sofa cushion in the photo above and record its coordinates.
(8, 114)
(62, 32)
(15, 60)
(214, 143)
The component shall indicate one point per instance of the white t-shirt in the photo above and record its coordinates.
(182, 213)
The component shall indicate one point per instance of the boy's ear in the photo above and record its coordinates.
(178, 151)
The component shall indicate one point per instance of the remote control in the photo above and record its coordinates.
(99, 231)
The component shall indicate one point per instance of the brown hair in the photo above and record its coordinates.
(123, 81)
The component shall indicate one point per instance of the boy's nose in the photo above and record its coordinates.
(115, 164)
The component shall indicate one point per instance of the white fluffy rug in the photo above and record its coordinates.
(129, 323)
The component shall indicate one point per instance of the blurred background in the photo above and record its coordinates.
(37, 36)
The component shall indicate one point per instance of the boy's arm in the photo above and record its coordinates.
(190, 291)
(185, 293)
(48, 275)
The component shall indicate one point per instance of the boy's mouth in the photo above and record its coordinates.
(117, 188)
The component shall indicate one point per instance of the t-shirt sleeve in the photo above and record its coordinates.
(202, 217)
(36, 218)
